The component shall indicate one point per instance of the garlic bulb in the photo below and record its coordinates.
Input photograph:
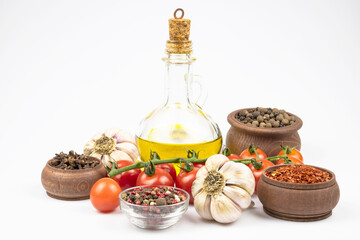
(222, 188)
(112, 145)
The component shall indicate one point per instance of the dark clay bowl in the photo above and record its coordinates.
(70, 184)
(298, 202)
(240, 136)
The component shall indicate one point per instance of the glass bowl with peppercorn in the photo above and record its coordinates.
(298, 192)
(154, 207)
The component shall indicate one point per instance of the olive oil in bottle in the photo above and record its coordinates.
(179, 124)
(173, 150)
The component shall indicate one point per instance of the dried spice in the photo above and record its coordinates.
(73, 161)
(298, 174)
(156, 196)
(265, 117)
(154, 205)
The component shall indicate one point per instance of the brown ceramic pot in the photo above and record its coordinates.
(70, 184)
(240, 136)
(298, 202)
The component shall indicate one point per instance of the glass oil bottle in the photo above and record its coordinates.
(178, 124)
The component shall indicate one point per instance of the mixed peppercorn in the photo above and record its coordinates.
(156, 196)
(296, 173)
(265, 117)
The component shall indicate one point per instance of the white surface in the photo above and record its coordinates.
(69, 69)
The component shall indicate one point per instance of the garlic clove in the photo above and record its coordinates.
(120, 155)
(202, 202)
(106, 161)
(197, 185)
(128, 148)
(123, 136)
(89, 147)
(96, 136)
(239, 170)
(223, 209)
(239, 174)
(111, 132)
(238, 195)
(247, 184)
(215, 162)
(96, 155)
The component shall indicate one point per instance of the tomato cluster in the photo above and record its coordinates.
(286, 156)
(105, 192)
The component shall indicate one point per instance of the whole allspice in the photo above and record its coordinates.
(265, 117)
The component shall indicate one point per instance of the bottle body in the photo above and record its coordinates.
(178, 124)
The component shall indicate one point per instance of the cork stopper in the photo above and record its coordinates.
(179, 32)
(179, 28)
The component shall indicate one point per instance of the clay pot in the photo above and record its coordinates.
(240, 136)
(70, 184)
(296, 201)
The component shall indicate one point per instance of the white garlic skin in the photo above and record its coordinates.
(125, 148)
(224, 206)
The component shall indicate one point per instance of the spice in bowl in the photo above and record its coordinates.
(73, 161)
(296, 173)
(154, 207)
(157, 196)
(265, 117)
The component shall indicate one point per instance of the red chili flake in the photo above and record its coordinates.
(296, 173)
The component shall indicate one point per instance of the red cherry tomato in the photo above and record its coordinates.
(199, 165)
(293, 153)
(185, 180)
(126, 179)
(169, 168)
(294, 160)
(258, 172)
(160, 177)
(246, 153)
(233, 156)
(104, 195)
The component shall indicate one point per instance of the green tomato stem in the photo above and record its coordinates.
(276, 158)
(138, 165)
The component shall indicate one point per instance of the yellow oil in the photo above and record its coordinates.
(169, 150)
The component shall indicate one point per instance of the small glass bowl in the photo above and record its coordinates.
(154, 217)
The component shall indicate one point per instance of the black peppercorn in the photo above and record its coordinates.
(132, 197)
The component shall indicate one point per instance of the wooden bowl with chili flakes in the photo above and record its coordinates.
(303, 201)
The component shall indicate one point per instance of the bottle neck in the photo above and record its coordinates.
(178, 73)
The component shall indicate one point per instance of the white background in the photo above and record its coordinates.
(69, 69)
